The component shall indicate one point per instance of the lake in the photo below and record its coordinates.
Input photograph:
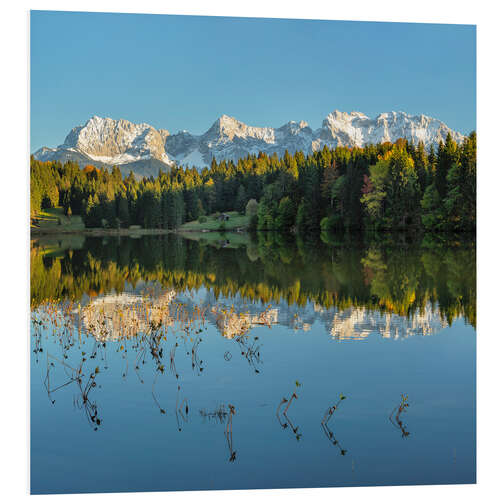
(221, 361)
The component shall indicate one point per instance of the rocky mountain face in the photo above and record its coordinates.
(141, 148)
(105, 142)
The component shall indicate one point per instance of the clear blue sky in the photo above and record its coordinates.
(180, 72)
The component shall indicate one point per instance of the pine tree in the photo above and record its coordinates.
(123, 211)
(431, 209)
(285, 215)
(241, 199)
(447, 156)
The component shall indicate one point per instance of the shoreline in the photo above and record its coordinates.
(125, 232)
(99, 232)
(34, 231)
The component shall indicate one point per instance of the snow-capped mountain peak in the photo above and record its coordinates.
(357, 129)
(144, 149)
(226, 128)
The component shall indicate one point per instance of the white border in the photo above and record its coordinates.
(14, 123)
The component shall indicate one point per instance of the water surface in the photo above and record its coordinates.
(164, 363)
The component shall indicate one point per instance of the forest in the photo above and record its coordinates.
(384, 187)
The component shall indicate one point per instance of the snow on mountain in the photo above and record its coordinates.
(143, 149)
(357, 129)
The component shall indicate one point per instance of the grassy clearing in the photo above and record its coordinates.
(236, 220)
(54, 219)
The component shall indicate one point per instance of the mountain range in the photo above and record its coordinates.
(141, 148)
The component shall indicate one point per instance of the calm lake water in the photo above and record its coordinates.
(164, 363)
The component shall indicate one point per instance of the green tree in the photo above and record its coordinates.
(123, 211)
(241, 199)
(375, 192)
(286, 215)
(447, 156)
(251, 207)
(431, 209)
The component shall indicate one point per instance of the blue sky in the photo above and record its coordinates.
(180, 72)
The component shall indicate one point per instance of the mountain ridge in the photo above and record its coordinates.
(143, 149)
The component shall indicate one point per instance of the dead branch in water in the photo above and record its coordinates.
(326, 429)
(284, 413)
(229, 433)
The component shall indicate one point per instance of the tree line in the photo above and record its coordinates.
(383, 187)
